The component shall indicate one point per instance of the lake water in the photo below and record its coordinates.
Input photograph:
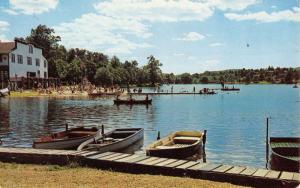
(235, 121)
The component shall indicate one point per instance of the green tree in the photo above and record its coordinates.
(103, 76)
(153, 67)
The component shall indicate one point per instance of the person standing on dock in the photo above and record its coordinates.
(194, 89)
(172, 89)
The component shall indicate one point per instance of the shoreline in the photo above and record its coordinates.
(26, 175)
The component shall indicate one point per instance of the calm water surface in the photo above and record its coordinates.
(235, 120)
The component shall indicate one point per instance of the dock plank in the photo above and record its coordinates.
(165, 162)
(248, 171)
(89, 153)
(147, 160)
(236, 170)
(100, 155)
(188, 164)
(119, 157)
(128, 158)
(109, 156)
(209, 167)
(140, 158)
(260, 173)
(223, 168)
(176, 163)
(286, 176)
(198, 166)
(157, 161)
(273, 174)
(296, 177)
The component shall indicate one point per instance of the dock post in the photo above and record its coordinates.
(203, 146)
(267, 144)
(67, 126)
(102, 129)
(158, 135)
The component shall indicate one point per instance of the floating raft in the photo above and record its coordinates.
(132, 163)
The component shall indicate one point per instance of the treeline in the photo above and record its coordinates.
(268, 75)
(72, 66)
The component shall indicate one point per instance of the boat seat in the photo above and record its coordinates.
(185, 139)
(124, 132)
(172, 146)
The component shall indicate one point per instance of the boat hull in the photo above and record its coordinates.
(69, 139)
(285, 156)
(131, 102)
(122, 144)
(171, 147)
(64, 144)
(177, 153)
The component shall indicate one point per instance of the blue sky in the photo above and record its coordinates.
(186, 36)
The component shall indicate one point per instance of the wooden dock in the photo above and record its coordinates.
(132, 163)
(164, 93)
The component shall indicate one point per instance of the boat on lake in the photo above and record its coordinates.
(207, 91)
(97, 94)
(115, 140)
(230, 89)
(295, 86)
(285, 154)
(132, 101)
(181, 144)
(68, 139)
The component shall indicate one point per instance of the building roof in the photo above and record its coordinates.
(6, 47)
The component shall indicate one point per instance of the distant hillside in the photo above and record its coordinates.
(268, 75)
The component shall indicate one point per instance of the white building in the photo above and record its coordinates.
(20, 59)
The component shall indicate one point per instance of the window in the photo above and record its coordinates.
(45, 74)
(29, 61)
(45, 64)
(37, 62)
(30, 49)
(20, 59)
(39, 73)
(13, 58)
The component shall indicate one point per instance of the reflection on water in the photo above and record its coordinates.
(235, 121)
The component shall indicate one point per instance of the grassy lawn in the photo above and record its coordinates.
(20, 175)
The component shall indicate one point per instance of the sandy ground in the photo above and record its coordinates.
(17, 175)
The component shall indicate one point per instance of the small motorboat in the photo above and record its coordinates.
(295, 86)
(68, 139)
(179, 145)
(285, 154)
(115, 140)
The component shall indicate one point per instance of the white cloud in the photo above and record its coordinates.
(117, 23)
(155, 10)
(212, 61)
(107, 34)
(285, 15)
(234, 5)
(178, 54)
(30, 7)
(191, 37)
(3, 28)
(216, 44)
